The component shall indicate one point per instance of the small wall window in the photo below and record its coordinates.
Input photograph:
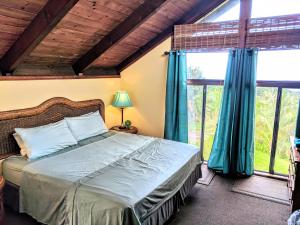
(267, 8)
(228, 11)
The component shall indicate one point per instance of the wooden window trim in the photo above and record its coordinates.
(259, 83)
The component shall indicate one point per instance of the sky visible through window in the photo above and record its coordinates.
(262, 8)
(265, 8)
(278, 65)
(212, 65)
(271, 65)
(231, 14)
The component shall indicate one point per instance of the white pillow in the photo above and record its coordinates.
(21, 144)
(87, 125)
(44, 140)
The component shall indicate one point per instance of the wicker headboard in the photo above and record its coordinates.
(50, 111)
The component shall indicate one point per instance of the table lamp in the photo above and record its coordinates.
(122, 100)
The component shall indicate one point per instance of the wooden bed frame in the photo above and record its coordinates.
(50, 111)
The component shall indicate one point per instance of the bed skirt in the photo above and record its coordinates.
(170, 207)
(11, 196)
(158, 217)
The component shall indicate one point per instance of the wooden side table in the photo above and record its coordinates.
(131, 130)
(2, 183)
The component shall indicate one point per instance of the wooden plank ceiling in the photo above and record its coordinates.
(88, 35)
(15, 16)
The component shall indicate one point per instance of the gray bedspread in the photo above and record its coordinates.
(119, 180)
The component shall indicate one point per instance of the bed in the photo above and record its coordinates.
(113, 178)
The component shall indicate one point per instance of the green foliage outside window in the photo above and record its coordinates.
(265, 111)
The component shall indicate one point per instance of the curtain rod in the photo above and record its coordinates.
(216, 50)
(195, 51)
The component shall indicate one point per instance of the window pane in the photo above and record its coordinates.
(195, 94)
(287, 126)
(264, 121)
(203, 65)
(266, 8)
(278, 65)
(213, 103)
(230, 11)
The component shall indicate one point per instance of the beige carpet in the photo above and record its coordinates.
(207, 175)
(264, 188)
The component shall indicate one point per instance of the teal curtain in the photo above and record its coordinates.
(233, 146)
(176, 118)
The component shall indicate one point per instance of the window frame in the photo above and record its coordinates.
(280, 85)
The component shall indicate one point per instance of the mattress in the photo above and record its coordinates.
(123, 179)
(12, 169)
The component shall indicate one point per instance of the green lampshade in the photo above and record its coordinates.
(122, 100)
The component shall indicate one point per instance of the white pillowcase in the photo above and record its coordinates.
(21, 144)
(44, 140)
(87, 125)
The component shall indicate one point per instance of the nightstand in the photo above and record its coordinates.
(131, 130)
(294, 177)
(2, 183)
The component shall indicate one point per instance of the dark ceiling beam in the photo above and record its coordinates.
(36, 31)
(142, 13)
(200, 10)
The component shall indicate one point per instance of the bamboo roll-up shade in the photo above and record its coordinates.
(206, 36)
(265, 33)
(274, 32)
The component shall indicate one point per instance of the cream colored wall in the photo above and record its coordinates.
(24, 94)
(145, 81)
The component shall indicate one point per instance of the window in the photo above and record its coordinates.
(287, 126)
(212, 108)
(266, 8)
(278, 65)
(229, 11)
(231, 14)
(264, 122)
(213, 104)
(278, 79)
(203, 65)
(272, 65)
(195, 96)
